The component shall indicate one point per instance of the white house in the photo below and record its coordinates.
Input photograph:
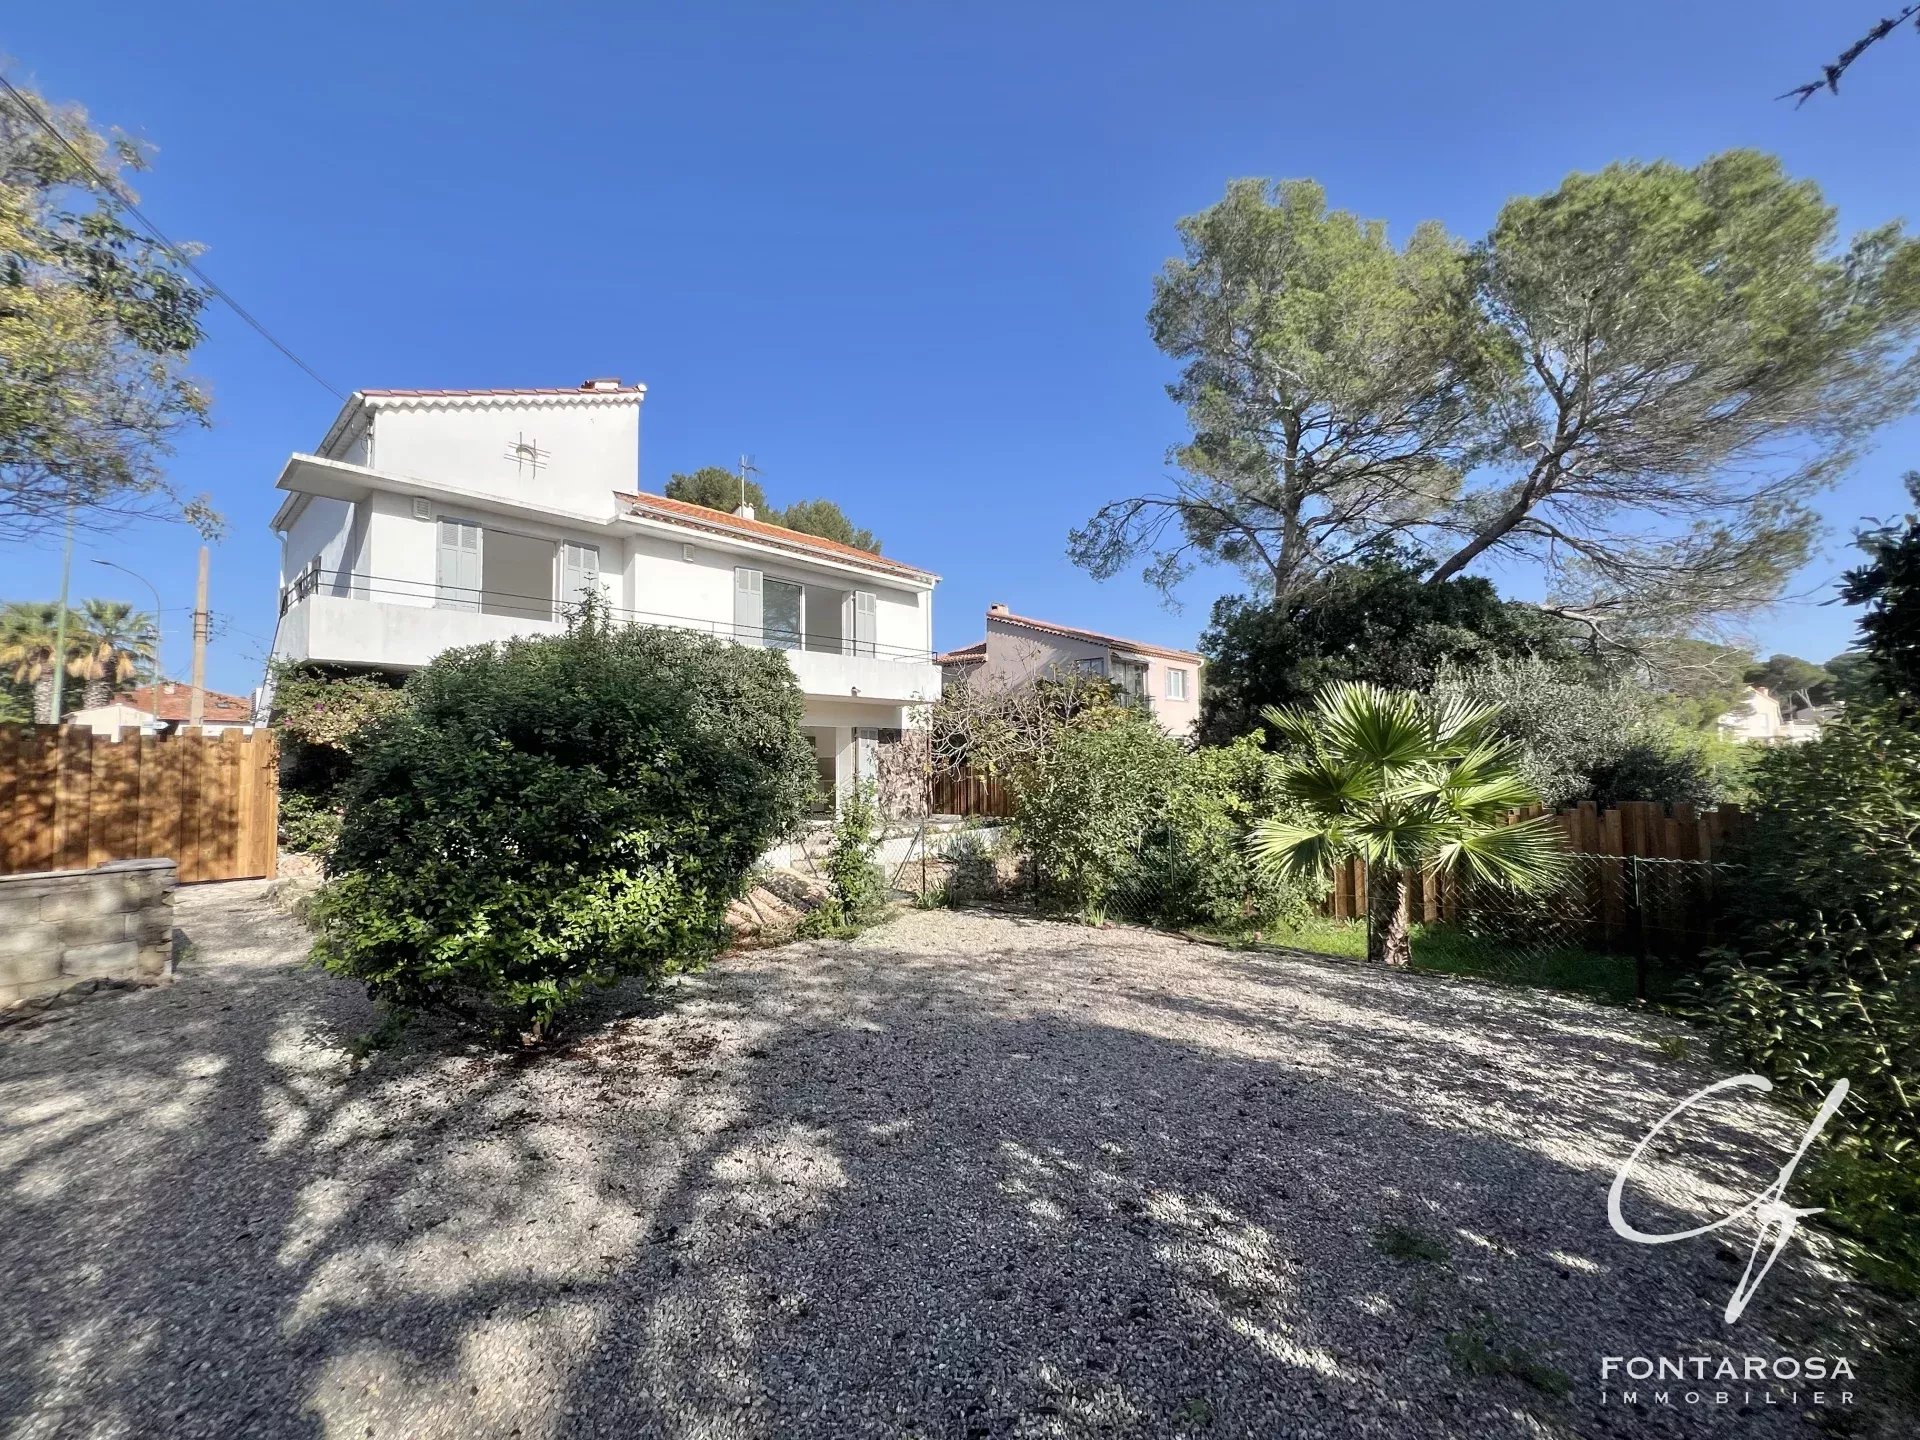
(1759, 719)
(427, 519)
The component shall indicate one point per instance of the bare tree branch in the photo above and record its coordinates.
(1831, 72)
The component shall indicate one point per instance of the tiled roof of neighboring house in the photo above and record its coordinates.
(615, 389)
(1047, 627)
(171, 701)
(966, 655)
(679, 512)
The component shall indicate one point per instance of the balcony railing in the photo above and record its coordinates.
(355, 585)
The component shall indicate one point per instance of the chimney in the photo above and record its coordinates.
(996, 608)
(601, 382)
(745, 512)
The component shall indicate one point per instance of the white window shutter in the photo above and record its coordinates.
(747, 625)
(866, 610)
(459, 565)
(579, 571)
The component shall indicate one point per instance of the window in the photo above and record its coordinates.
(783, 613)
(459, 567)
(579, 571)
(1092, 665)
(1176, 684)
(858, 610)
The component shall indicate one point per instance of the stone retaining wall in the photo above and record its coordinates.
(61, 928)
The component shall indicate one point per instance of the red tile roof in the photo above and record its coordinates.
(528, 390)
(679, 512)
(1047, 627)
(171, 701)
(965, 655)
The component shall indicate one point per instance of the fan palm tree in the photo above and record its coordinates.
(1404, 784)
(116, 640)
(26, 652)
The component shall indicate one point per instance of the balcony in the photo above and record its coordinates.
(367, 621)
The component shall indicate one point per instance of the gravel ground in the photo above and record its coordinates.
(969, 1175)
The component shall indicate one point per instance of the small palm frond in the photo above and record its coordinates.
(1299, 728)
(1460, 724)
(1329, 787)
(1279, 847)
(1526, 856)
(1399, 836)
(1485, 783)
(1367, 725)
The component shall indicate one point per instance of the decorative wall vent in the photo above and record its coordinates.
(527, 456)
(422, 508)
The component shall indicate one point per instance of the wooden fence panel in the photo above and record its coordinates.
(1636, 828)
(968, 792)
(70, 799)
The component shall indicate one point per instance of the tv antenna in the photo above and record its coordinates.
(747, 467)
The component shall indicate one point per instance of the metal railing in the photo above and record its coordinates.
(427, 594)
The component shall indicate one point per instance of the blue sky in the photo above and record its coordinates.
(901, 253)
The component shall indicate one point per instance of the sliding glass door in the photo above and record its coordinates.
(783, 614)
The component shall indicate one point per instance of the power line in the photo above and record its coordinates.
(155, 234)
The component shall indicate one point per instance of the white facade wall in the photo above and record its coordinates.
(591, 445)
(323, 531)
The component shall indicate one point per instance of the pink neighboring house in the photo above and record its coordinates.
(1018, 648)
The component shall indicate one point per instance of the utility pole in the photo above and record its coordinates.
(59, 657)
(197, 705)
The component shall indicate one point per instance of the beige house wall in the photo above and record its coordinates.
(1016, 654)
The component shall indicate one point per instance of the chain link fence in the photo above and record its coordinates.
(1623, 926)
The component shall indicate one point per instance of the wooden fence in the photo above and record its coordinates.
(1620, 903)
(968, 792)
(70, 800)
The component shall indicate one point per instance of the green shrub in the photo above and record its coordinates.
(551, 814)
(1824, 983)
(973, 870)
(1218, 795)
(309, 824)
(323, 720)
(1582, 739)
(1117, 817)
(1088, 803)
(858, 886)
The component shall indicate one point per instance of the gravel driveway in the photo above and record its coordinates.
(969, 1175)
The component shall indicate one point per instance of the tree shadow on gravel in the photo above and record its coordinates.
(844, 1190)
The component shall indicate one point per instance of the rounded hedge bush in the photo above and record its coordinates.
(547, 815)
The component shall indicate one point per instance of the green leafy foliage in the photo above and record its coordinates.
(1403, 783)
(718, 488)
(827, 520)
(1087, 803)
(1114, 807)
(324, 719)
(551, 814)
(308, 823)
(858, 886)
(1581, 738)
(1633, 386)
(1797, 684)
(96, 324)
(1208, 879)
(1824, 983)
(1331, 380)
(1379, 622)
(1889, 586)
